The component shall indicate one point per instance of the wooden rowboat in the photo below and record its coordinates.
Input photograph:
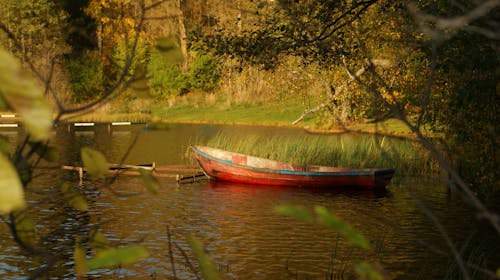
(235, 167)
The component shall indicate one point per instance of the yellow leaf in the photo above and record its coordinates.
(98, 241)
(366, 271)
(74, 198)
(95, 163)
(208, 269)
(25, 228)
(80, 260)
(22, 94)
(11, 189)
(150, 182)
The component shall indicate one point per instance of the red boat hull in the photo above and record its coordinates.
(234, 167)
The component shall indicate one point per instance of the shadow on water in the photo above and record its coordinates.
(231, 187)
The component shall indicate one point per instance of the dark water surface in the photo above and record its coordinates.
(236, 223)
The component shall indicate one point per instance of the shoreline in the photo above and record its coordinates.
(389, 128)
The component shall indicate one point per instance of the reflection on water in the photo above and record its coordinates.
(247, 239)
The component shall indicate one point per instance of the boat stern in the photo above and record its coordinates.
(383, 177)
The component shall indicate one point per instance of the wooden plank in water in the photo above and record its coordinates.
(165, 171)
(149, 166)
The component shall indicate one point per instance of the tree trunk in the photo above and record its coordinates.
(240, 20)
(183, 36)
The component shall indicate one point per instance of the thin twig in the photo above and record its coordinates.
(170, 252)
(190, 265)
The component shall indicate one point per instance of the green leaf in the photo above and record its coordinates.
(208, 270)
(367, 271)
(117, 256)
(21, 93)
(11, 189)
(150, 182)
(94, 162)
(80, 260)
(295, 211)
(74, 198)
(25, 228)
(498, 272)
(327, 219)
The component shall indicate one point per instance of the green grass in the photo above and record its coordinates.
(339, 151)
(221, 108)
(265, 113)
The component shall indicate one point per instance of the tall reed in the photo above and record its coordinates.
(340, 151)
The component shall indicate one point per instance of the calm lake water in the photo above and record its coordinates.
(236, 223)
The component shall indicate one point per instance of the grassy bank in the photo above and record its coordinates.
(220, 109)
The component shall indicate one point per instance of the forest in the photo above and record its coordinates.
(433, 65)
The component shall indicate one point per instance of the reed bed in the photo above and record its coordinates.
(341, 151)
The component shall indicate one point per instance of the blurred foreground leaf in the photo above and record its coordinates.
(23, 96)
(25, 228)
(208, 270)
(366, 271)
(329, 220)
(74, 198)
(80, 260)
(4, 145)
(46, 152)
(94, 162)
(117, 256)
(98, 241)
(11, 189)
(295, 211)
(150, 182)
(170, 49)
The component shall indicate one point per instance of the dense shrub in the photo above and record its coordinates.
(205, 72)
(164, 77)
(468, 111)
(86, 76)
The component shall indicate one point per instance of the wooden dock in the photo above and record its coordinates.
(181, 173)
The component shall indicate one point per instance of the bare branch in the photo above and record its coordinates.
(384, 63)
(434, 26)
(170, 252)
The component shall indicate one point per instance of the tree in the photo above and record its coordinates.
(424, 63)
(26, 95)
(37, 27)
